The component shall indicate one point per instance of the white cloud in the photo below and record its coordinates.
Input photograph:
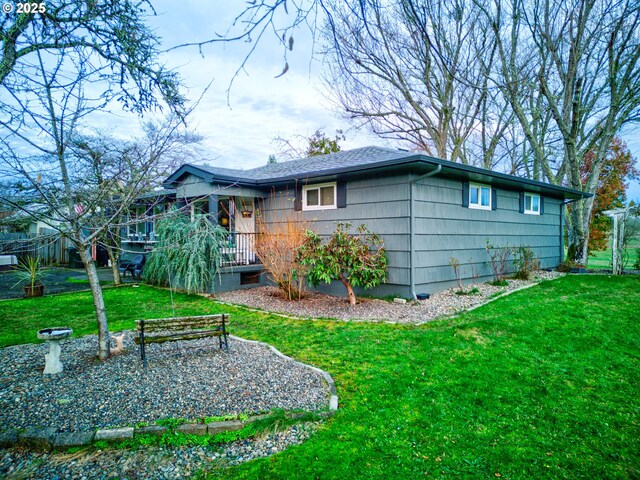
(261, 107)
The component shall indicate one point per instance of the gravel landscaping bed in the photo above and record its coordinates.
(318, 305)
(188, 380)
(144, 463)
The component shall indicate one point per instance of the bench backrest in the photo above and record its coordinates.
(198, 322)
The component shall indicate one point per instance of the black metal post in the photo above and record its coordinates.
(142, 350)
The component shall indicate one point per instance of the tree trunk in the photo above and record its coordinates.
(113, 257)
(98, 302)
(578, 229)
(350, 292)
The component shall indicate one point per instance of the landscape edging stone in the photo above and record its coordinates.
(47, 438)
(333, 401)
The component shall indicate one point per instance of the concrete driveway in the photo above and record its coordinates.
(58, 280)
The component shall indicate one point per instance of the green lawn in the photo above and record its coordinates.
(541, 384)
(602, 260)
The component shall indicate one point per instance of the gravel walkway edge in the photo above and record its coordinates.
(333, 401)
(40, 462)
(445, 297)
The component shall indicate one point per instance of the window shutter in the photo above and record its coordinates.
(297, 202)
(341, 194)
(521, 202)
(541, 205)
(494, 199)
(465, 194)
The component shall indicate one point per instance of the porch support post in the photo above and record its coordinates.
(213, 208)
(232, 214)
(181, 203)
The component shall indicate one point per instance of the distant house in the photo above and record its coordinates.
(426, 209)
(138, 235)
(22, 235)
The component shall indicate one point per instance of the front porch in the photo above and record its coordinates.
(239, 250)
(238, 261)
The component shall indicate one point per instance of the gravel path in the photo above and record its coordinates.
(144, 463)
(184, 380)
(318, 305)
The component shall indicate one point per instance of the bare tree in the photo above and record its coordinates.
(418, 72)
(116, 167)
(56, 69)
(111, 33)
(569, 72)
(580, 61)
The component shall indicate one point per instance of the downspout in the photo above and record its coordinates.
(412, 229)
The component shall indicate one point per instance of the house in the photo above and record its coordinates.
(426, 209)
(138, 233)
(22, 235)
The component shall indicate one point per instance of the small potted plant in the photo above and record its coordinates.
(30, 275)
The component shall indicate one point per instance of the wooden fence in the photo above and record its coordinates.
(49, 246)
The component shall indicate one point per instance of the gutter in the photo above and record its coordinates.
(412, 229)
(405, 159)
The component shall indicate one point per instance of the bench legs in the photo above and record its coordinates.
(223, 338)
(224, 334)
(223, 341)
(143, 354)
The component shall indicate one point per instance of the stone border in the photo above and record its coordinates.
(504, 294)
(47, 438)
(212, 298)
(501, 295)
(333, 401)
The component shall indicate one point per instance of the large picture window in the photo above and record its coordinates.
(479, 196)
(319, 197)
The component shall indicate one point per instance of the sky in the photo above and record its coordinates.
(239, 127)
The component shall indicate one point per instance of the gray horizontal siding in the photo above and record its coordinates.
(505, 214)
(462, 242)
(445, 229)
(381, 203)
(193, 186)
(484, 228)
(476, 256)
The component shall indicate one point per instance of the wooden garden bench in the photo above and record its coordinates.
(162, 330)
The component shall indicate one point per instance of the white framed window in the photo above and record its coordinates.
(479, 196)
(531, 204)
(136, 227)
(319, 197)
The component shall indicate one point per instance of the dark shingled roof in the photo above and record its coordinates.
(312, 165)
(351, 162)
